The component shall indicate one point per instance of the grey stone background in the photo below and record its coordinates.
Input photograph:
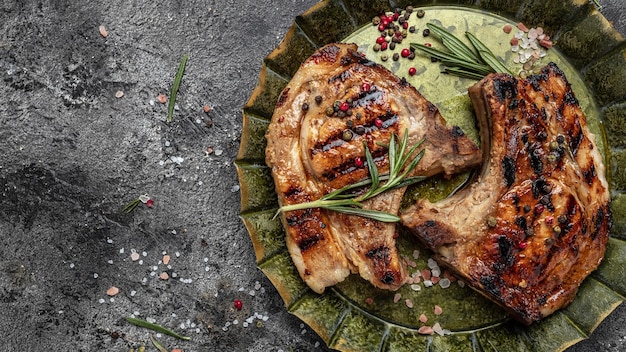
(72, 154)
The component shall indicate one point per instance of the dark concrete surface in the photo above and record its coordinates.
(73, 154)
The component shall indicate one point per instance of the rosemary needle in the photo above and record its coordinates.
(175, 86)
(345, 201)
(154, 327)
(157, 344)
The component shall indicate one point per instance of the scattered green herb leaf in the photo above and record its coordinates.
(135, 202)
(345, 201)
(175, 86)
(461, 60)
(131, 206)
(157, 344)
(154, 327)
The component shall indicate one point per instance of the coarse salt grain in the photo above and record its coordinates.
(119, 94)
(522, 27)
(95, 275)
(428, 283)
(423, 318)
(437, 329)
(408, 303)
(425, 330)
(101, 300)
(122, 250)
(103, 31)
(438, 310)
(416, 254)
(134, 256)
(164, 276)
(444, 283)
(166, 259)
(133, 293)
(416, 287)
(396, 297)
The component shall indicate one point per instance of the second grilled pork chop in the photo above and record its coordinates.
(335, 102)
(536, 222)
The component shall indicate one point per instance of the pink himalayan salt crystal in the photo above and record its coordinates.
(522, 27)
(425, 330)
(438, 310)
(423, 318)
(437, 329)
(408, 303)
(507, 28)
(396, 298)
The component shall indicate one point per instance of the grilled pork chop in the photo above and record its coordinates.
(536, 221)
(335, 102)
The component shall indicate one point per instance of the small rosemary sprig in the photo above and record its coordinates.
(344, 200)
(460, 59)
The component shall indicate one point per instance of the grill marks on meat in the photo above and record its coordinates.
(536, 221)
(309, 158)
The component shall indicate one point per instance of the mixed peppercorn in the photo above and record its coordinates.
(394, 28)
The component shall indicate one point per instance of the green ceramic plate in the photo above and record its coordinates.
(354, 316)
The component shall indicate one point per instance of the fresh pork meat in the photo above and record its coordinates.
(536, 221)
(335, 102)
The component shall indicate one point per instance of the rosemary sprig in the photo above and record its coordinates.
(154, 327)
(344, 199)
(461, 60)
(177, 79)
